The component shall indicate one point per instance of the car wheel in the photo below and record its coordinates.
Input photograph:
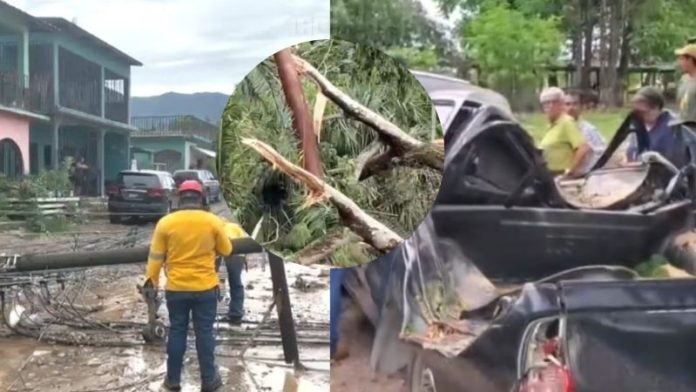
(114, 219)
(420, 376)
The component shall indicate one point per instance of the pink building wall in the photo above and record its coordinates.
(16, 128)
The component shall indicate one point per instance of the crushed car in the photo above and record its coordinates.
(519, 281)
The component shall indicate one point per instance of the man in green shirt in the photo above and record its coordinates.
(686, 92)
(564, 145)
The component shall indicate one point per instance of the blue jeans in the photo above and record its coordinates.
(202, 305)
(336, 276)
(234, 265)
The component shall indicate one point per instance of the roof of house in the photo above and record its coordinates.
(31, 21)
(65, 26)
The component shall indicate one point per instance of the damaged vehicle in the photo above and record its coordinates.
(519, 281)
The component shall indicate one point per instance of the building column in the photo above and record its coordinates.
(187, 155)
(101, 89)
(100, 160)
(128, 105)
(55, 159)
(56, 73)
(23, 58)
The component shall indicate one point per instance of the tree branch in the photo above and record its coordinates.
(372, 231)
(389, 132)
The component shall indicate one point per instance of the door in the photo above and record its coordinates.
(10, 159)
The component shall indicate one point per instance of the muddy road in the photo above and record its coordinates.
(115, 358)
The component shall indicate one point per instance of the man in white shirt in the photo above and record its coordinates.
(592, 136)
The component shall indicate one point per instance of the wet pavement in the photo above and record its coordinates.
(31, 365)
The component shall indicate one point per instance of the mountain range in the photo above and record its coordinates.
(206, 106)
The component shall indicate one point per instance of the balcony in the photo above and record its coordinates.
(182, 125)
(34, 97)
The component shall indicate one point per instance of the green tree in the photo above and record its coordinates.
(663, 27)
(511, 48)
(398, 27)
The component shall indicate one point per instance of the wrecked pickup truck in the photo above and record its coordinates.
(517, 281)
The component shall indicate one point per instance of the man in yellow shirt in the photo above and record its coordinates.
(185, 244)
(564, 145)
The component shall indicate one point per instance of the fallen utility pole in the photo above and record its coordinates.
(136, 255)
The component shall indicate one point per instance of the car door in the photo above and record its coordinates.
(631, 335)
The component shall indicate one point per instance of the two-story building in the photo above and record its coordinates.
(173, 142)
(63, 93)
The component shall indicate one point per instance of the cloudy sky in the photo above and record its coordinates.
(192, 46)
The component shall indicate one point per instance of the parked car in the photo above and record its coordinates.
(141, 193)
(514, 283)
(211, 186)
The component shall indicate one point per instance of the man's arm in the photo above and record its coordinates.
(581, 147)
(223, 245)
(157, 255)
(578, 159)
(632, 149)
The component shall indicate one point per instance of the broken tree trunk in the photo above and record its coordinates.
(318, 118)
(400, 141)
(301, 120)
(372, 231)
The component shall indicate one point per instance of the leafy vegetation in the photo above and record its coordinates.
(400, 198)
(401, 28)
(26, 190)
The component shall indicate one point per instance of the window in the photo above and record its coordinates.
(34, 158)
(136, 180)
(48, 156)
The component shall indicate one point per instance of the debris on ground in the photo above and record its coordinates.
(96, 330)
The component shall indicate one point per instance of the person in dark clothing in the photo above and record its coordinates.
(650, 115)
(79, 173)
(336, 278)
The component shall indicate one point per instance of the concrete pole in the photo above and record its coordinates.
(301, 119)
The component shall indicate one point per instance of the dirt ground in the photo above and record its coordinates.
(31, 365)
(357, 334)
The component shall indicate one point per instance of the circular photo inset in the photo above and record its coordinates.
(330, 152)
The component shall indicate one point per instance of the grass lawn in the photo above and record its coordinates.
(607, 121)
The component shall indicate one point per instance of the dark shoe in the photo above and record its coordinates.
(214, 386)
(236, 321)
(170, 387)
(233, 320)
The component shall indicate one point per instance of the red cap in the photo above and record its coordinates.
(191, 185)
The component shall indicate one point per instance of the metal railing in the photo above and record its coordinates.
(175, 125)
(15, 93)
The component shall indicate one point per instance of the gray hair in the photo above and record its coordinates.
(551, 94)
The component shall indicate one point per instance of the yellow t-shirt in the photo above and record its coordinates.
(234, 231)
(185, 243)
(560, 143)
